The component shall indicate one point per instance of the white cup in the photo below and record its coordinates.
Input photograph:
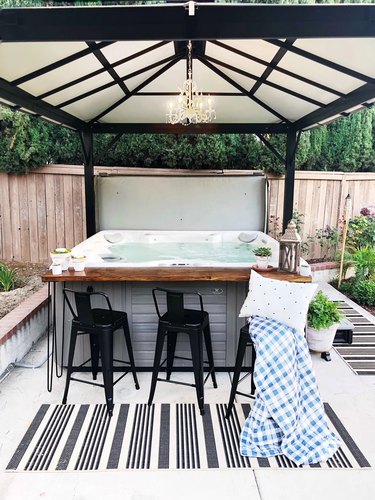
(56, 268)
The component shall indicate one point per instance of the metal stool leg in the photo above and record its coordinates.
(253, 357)
(106, 351)
(171, 349)
(196, 345)
(237, 370)
(130, 352)
(207, 340)
(94, 355)
(155, 371)
(69, 371)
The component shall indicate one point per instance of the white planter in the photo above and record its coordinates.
(321, 340)
(262, 262)
(78, 262)
(61, 258)
(79, 265)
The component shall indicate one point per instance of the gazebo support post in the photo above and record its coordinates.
(87, 148)
(290, 165)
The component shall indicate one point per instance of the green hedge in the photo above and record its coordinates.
(27, 143)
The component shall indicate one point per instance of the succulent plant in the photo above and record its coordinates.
(262, 252)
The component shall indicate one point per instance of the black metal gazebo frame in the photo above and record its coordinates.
(281, 25)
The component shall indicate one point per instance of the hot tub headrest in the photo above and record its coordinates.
(247, 237)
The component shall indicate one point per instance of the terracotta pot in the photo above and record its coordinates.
(321, 340)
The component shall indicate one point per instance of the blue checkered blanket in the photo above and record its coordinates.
(288, 416)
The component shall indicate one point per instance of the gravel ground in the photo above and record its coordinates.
(28, 282)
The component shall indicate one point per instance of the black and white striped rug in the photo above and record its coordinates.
(165, 436)
(360, 355)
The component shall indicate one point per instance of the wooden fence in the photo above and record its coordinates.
(46, 208)
(41, 211)
(320, 197)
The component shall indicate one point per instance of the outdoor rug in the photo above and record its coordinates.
(360, 355)
(165, 436)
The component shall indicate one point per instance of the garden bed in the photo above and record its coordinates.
(28, 281)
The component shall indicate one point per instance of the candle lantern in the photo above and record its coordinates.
(290, 249)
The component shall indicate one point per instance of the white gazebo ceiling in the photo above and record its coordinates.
(275, 81)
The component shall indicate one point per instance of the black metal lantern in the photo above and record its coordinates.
(290, 249)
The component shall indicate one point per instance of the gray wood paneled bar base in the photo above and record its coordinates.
(223, 289)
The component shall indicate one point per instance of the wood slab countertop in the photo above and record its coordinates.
(168, 274)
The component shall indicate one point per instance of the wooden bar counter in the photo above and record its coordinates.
(169, 274)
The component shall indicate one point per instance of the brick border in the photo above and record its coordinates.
(323, 266)
(19, 316)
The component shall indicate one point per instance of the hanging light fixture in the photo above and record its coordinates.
(190, 106)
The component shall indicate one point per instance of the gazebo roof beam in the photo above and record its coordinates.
(101, 70)
(41, 108)
(263, 81)
(172, 22)
(273, 64)
(59, 64)
(134, 91)
(243, 90)
(323, 61)
(275, 67)
(206, 128)
(113, 83)
(357, 97)
(108, 67)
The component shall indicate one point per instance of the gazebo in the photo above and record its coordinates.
(271, 69)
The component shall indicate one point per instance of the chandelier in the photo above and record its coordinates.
(190, 106)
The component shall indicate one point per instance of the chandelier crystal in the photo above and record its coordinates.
(190, 106)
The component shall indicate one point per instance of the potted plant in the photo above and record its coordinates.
(78, 262)
(61, 255)
(262, 255)
(323, 318)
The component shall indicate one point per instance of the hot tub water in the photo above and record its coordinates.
(175, 248)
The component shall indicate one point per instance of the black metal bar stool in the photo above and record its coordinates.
(243, 342)
(195, 323)
(100, 324)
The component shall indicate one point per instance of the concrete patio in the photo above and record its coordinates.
(351, 396)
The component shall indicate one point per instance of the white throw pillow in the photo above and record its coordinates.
(284, 301)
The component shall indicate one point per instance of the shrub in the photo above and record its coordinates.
(364, 262)
(328, 239)
(346, 286)
(361, 232)
(8, 277)
(364, 292)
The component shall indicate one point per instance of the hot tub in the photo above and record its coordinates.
(131, 248)
(127, 249)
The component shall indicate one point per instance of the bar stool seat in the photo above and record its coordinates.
(178, 319)
(100, 324)
(243, 342)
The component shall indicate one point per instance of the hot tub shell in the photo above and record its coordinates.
(222, 299)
